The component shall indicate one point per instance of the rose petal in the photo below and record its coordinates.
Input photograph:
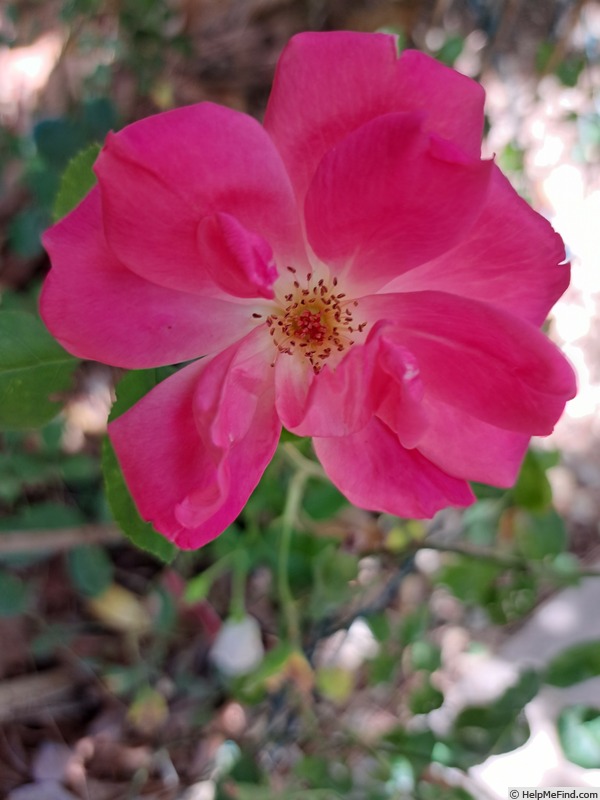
(374, 377)
(240, 262)
(510, 259)
(480, 359)
(162, 175)
(389, 198)
(340, 400)
(374, 471)
(202, 441)
(100, 310)
(469, 448)
(452, 102)
(401, 398)
(328, 84)
(293, 379)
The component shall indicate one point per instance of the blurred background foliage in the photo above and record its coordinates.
(317, 668)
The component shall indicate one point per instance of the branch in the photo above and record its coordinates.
(58, 540)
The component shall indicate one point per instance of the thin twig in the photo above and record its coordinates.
(57, 541)
(502, 559)
(329, 625)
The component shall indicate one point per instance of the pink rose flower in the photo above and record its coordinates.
(352, 270)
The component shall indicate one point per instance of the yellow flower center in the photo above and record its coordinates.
(315, 320)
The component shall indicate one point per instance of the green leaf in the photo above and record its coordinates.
(43, 516)
(424, 699)
(57, 139)
(252, 687)
(33, 369)
(471, 579)
(288, 436)
(512, 596)
(43, 181)
(500, 727)
(569, 70)
(24, 232)
(416, 746)
(481, 522)
(450, 50)
(133, 387)
(379, 625)
(333, 570)
(512, 158)
(414, 625)
(579, 734)
(425, 655)
(565, 569)
(484, 492)
(532, 489)
(540, 535)
(13, 595)
(322, 500)
(99, 116)
(125, 513)
(76, 182)
(382, 668)
(543, 56)
(90, 569)
(575, 664)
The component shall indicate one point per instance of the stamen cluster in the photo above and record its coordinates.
(315, 321)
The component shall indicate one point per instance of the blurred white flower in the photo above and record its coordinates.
(238, 648)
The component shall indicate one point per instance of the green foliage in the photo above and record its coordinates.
(318, 772)
(76, 181)
(43, 516)
(90, 569)
(32, 461)
(425, 698)
(25, 230)
(579, 734)
(540, 535)
(532, 490)
(131, 389)
(416, 746)
(426, 656)
(575, 664)
(512, 158)
(34, 371)
(199, 586)
(332, 572)
(126, 515)
(54, 142)
(450, 50)
(518, 539)
(56, 139)
(567, 69)
(13, 594)
(322, 500)
(270, 672)
(482, 731)
(481, 521)
(471, 579)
